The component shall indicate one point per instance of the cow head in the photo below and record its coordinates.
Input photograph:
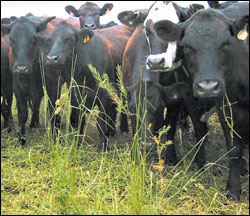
(146, 101)
(89, 14)
(60, 44)
(173, 13)
(208, 41)
(133, 18)
(23, 34)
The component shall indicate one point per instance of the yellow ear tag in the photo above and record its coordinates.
(86, 39)
(107, 11)
(242, 35)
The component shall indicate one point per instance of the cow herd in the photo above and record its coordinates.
(186, 59)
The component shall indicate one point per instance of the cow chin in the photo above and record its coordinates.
(209, 86)
(21, 69)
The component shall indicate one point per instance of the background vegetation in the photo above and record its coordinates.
(57, 177)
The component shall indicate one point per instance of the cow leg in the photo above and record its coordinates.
(106, 109)
(22, 116)
(200, 128)
(112, 120)
(35, 111)
(103, 131)
(235, 147)
(76, 115)
(36, 97)
(6, 110)
(54, 92)
(171, 119)
(123, 123)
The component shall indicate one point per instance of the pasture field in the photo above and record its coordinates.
(56, 177)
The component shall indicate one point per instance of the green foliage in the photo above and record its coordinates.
(56, 176)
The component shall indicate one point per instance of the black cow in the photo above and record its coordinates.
(218, 63)
(6, 78)
(24, 65)
(133, 18)
(143, 82)
(218, 5)
(89, 15)
(101, 48)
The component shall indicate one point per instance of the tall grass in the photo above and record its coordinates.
(58, 176)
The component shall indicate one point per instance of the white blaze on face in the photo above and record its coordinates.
(168, 56)
(162, 11)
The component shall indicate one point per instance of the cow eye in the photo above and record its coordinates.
(33, 39)
(225, 45)
(12, 42)
(69, 39)
(48, 41)
(189, 50)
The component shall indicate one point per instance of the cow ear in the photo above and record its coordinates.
(240, 27)
(106, 8)
(5, 21)
(130, 90)
(13, 18)
(85, 35)
(123, 17)
(5, 28)
(132, 18)
(214, 4)
(72, 11)
(42, 26)
(167, 31)
(29, 15)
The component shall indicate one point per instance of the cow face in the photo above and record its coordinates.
(158, 11)
(208, 40)
(146, 101)
(173, 13)
(23, 42)
(133, 18)
(59, 45)
(89, 14)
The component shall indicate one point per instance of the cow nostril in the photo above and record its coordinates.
(208, 85)
(149, 63)
(21, 69)
(56, 58)
(208, 88)
(52, 59)
(90, 26)
(162, 61)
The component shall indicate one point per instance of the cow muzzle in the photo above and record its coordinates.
(52, 59)
(90, 26)
(155, 63)
(209, 88)
(21, 68)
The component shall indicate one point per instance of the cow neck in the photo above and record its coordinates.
(5, 45)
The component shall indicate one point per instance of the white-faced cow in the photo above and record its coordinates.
(156, 92)
(89, 15)
(217, 60)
